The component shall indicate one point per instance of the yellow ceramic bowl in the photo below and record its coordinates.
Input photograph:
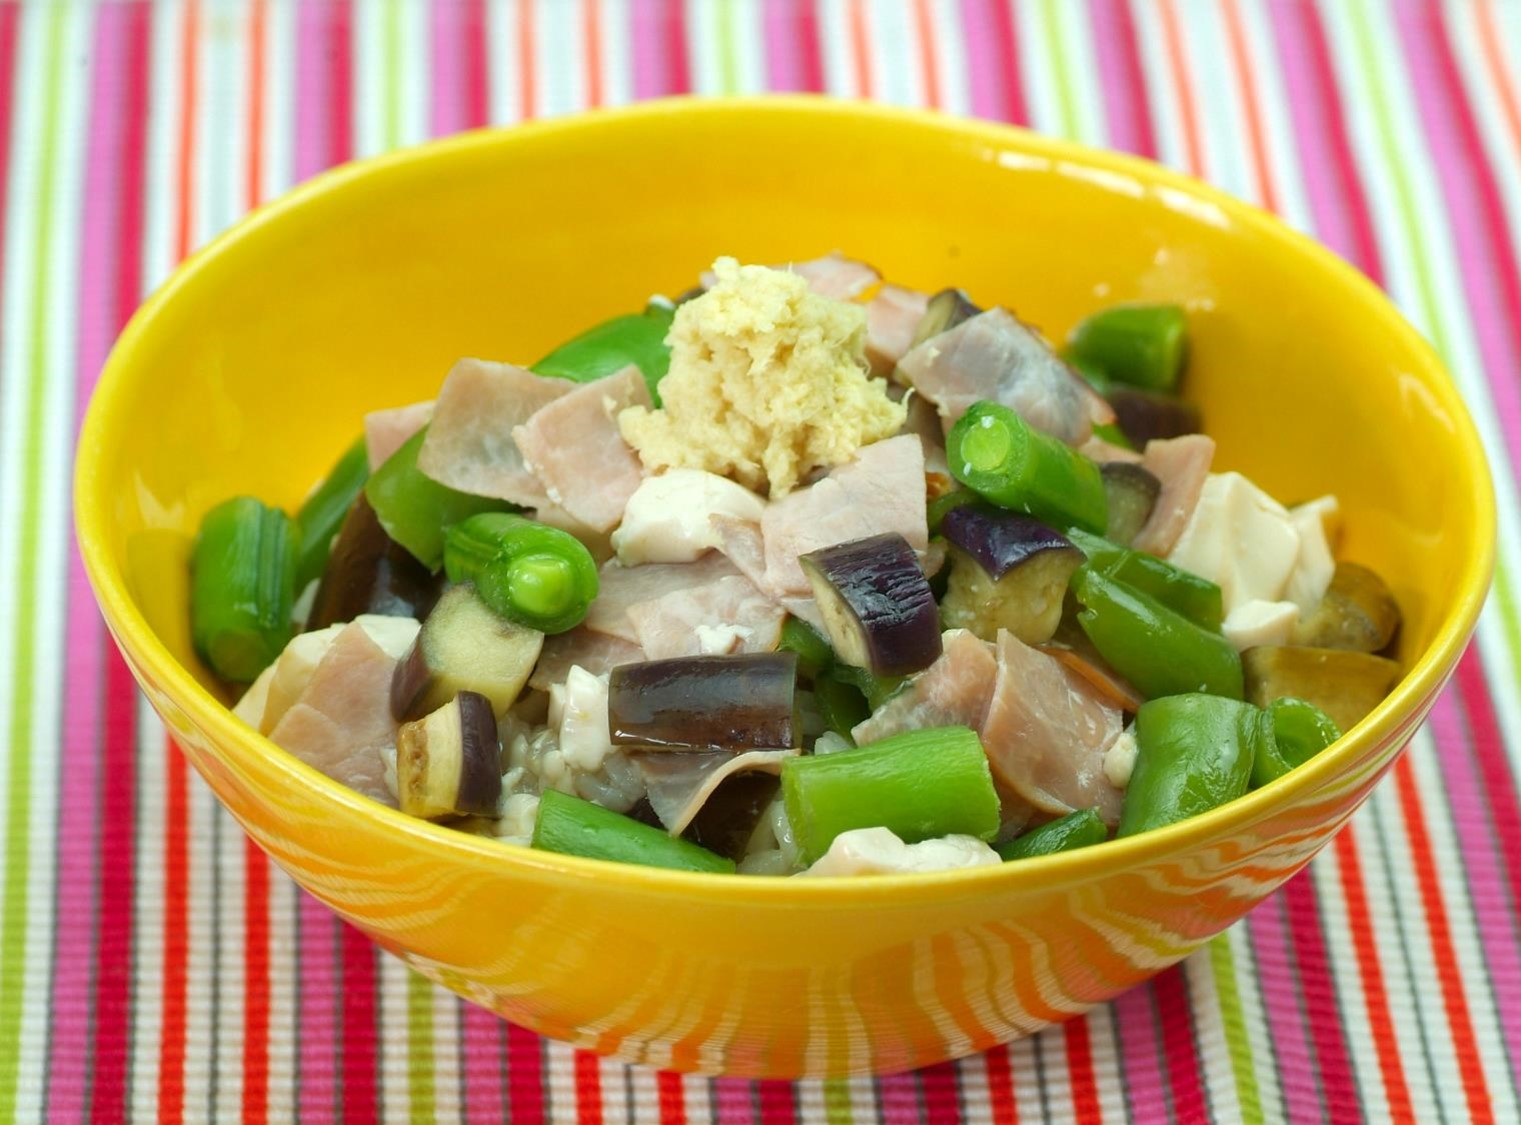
(249, 371)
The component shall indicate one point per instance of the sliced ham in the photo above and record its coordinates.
(725, 616)
(386, 431)
(994, 356)
(833, 275)
(342, 719)
(1046, 733)
(598, 653)
(1182, 465)
(620, 587)
(892, 317)
(881, 490)
(679, 784)
(573, 446)
(925, 422)
(1097, 449)
(953, 691)
(470, 444)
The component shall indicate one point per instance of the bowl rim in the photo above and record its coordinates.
(1044, 873)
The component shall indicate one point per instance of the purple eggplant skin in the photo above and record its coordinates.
(728, 818)
(480, 773)
(877, 605)
(1008, 572)
(998, 541)
(1145, 415)
(368, 572)
(1132, 492)
(945, 310)
(733, 703)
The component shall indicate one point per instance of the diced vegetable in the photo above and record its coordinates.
(528, 572)
(1357, 613)
(1197, 599)
(1345, 685)
(942, 506)
(1111, 433)
(1194, 753)
(1132, 493)
(812, 650)
(463, 646)
(1157, 649)
(1008, 571)
(1080, 829)
(1300, 730)
(742, 702)
(415, 509)
(728, 818)
(326, 509)
(369, 572)
(945, 310)
(876, 603)
(242, 584)
(449, 761)
(638, 338)
(1143, 416)
(876, 689)
(1142, 345)
(841, 704)
(571, 826)
(919, 785)
(995, 453)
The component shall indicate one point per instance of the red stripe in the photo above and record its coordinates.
(1242, 64)
(525, 1076)
(1319, 988)
(255, 983)
(678, 71)
(1001, 1103)
(357, 956)
(10, 15)
(1006, 53)
(591, 30)
(673, 1109)
(810, 61)
(860, 48)
(253, 188)
(527, 61)
(476, 73)
(1177, 59)
(340, 108)
(1178, 1047)
(588, 1088)
(1085, 1102)
(929, 67)
(937, 1088)
(776, 1103)
(171, 1048)
(1494, 766)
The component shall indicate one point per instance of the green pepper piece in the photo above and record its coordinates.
(242, 585)
(1197, 599)
(1079, 829)
(1157, 649)
(1299, 730)
(1143, 345)
(841, 704)
(1108, 431)
(527, 572)
(996, 453)
(1193, 754)
(637, 338)
(813, 652)
(877, 689)
(919, 784)
(941, 506)
(414, 509)
(325, 509)
(571, 826)
(1090, 372)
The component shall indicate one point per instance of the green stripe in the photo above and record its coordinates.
(13, 909)
(1056, 53)
(1238, 1040)
(420, 1047)
(728, 51)
(391, 123)
(837, 1109)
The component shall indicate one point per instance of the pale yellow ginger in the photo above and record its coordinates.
(768, 381)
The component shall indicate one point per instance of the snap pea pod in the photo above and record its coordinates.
(1197, 599)
(414, 509)
(638, 338)
(323, 513)
(527, 572)
(996, 454)
(1142, 345)
(1079, 829)
(242, 585)
(919, 784)
(1299, 730)
(1157, 649)
(571, 826)
(1194, 753)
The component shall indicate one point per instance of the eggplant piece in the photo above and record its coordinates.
(1357, 613)
(733, 703)
(1008, 571)
(713, 799)
(463, 646)
(945, 310)
(1345, 685)
(1145, 415)
(369, 572)
(877, 605)
(450, 761)
(1132, 492)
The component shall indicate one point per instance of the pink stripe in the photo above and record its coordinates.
(317, 1023)
(1182, 1054)
(1141, 1055)
(657, 35)
(447, 113)
(481, 1048)
(898, 1099)
(1127, 103)
(1321, 1000)
(732, 1103)
(987, 70)
(323, 59)
(792, 46)
(1278, 979)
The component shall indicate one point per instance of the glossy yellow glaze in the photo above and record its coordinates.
(249, 371)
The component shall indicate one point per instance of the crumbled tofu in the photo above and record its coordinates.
(1313, 569)
(878, 851)
(767, 382)
(1241, 539)
(516, 815)
(578, 712)
(1260, 622)
(670, 517)
(1119, 759)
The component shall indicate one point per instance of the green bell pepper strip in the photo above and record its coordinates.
(1108, 431)
(877, 689)
(1194, 753)
(841, 704)
(941, 506)
(637, 338)
(1142, 345)
(323, 513)
(1079, 829)
(1299, 730)
(919, 784)
(242, 585)
(1197, 599)
(414, 509)
(528, 572)
(996, 454)
(571, 826)
(814, 653)
(1157, 649)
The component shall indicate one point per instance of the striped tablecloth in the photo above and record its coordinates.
(152, 963)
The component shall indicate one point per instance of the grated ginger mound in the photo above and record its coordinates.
(768, 381)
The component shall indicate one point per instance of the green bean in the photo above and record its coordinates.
(528, 572)
(638, 338)
(1079, 829)
(242, 585)
(1197, 599)
(570, 826)
(1193, 753)
(325, 509)
(1299, 730)
(1142, 345)
(813, 651)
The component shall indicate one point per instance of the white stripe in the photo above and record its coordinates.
(414, 54)
(200, 967)
(1076, 33)
(447, 1105)
(706, 58)
(148, 912)
(835, 52)
(1277, 123)
(1222, 124)
(617, 53)
(161, 203)
(646, 1096)
(1462, 19)
(280, 50)
(1208, 1028)
(560, 1081)
(560, 55)
(502, 58)
(1034, 68)
(1027, 1085)
(950, 45)
(1165, 110)
(284, 978)
(1103, 1045)
(369, 92)
(393, 1041)
(892, 39)
(750, 46)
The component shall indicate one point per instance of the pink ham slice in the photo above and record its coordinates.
(573, 446)
(1182, 465)
(1097, 449)
(881, 490)
(953, 691)
(598, 653)
(342, 718)
(892, 317)
(386, 431)
(923, 421)
(678, 785)
(833, 275)
(621, 587)
(470, 444)
(1046, 732)
(726, 616)
(994, 356)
